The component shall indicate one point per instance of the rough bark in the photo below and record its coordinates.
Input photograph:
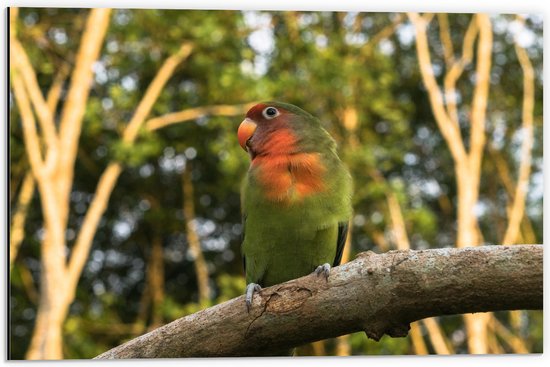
(380, 294)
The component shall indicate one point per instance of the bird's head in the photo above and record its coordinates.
(278, 128)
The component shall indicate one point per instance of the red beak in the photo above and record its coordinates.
(245, 132)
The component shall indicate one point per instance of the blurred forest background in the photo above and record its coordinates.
(125, 167)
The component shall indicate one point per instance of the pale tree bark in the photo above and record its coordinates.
(517, 208)
(417, 340)
(378, 294)
(446, 40)
(456, 67)
(319, 348)
(17, 229)
(503, 171)
(384, 33)
(469, 176)
(201, 267)
(54, 94)
(192, 114)
(74, 106)
(513, 341)
(467, 162)
(438, 339)
(32, 146)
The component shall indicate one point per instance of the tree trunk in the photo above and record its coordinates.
(47, 339)
(46, 342)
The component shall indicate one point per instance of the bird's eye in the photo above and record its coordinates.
(270, 113)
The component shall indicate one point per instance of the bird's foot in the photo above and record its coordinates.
(250, 289)
(323, 269)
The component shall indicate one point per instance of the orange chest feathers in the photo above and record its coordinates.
(288, 178)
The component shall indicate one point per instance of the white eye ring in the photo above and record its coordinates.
(270, 113)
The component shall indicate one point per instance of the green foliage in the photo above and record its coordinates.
(147, 146)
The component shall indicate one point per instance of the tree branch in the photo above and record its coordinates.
(153, 91)
(480, 97)
(22, 66)
(74, 107)
(514, 342)
(385, 32)
(503, 171)
(194, 113)
(438, 339)
(446, 40)
(417, 340)
(380, 294)
(518, 206)
(456, 69)
(45, 118)
(449, 130)
(17, 230)
(54, 93)
(30, 135)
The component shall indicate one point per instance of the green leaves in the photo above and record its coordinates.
(146, 146)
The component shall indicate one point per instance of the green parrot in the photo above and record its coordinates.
(295, 199)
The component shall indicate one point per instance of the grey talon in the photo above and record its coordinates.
(249, 293)
(323, 269)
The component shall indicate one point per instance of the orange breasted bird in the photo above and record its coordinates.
(295, 198)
